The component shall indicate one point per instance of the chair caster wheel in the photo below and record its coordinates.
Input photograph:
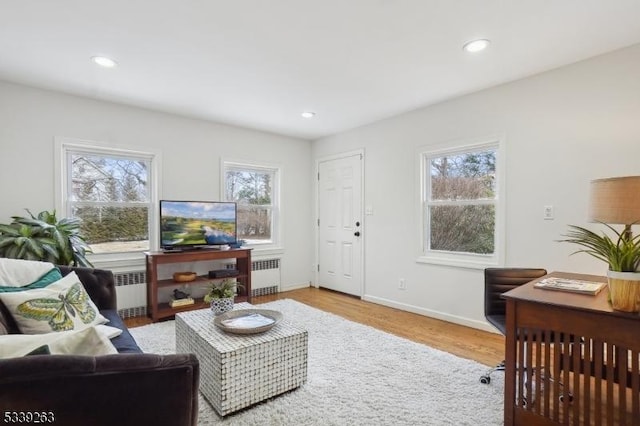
(485, 380)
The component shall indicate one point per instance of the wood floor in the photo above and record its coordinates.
(486, 348)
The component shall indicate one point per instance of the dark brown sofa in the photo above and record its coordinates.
(130, 388)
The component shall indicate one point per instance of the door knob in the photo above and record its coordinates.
(357, 233)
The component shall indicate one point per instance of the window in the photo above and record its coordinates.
(112, 192)
(255, 188)
(461, 213)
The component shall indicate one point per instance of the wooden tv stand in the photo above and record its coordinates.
(159, 311)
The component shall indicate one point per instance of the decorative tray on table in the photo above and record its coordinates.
(248, 321)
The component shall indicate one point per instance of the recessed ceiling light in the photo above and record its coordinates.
(308, 114)
(476, 45)
(103, 61)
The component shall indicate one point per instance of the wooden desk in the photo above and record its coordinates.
(577, 340)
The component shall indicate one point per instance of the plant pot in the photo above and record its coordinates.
(624, 291)
(220, 306)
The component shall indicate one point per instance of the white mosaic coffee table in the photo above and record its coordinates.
(237, 371)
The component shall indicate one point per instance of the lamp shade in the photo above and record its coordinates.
(615, 200)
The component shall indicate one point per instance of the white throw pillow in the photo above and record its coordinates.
(19, 273)
(75, 342)
(108, 331)
(61, 306)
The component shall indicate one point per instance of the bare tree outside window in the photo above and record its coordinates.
(252, 189)
(461, 202)
(111, 195)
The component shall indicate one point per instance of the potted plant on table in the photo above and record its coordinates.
(221, 294)
(622, 254)
(45, 238)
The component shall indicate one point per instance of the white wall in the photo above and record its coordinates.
(562, 128)
(191, 150)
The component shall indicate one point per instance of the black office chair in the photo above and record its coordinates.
(496, 282)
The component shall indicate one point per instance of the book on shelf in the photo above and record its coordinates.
(174, 303)
(570, 285)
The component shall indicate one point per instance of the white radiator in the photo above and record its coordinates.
(131, 290)
(265, 277)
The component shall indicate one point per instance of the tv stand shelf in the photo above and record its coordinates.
(200, 279)
(158, 311)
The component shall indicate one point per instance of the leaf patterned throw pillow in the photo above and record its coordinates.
(63, 305)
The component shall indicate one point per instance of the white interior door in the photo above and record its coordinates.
(340, 224)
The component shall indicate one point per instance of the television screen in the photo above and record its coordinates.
(197, 223)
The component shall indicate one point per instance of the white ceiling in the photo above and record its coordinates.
(260, 63)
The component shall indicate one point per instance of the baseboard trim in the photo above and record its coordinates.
(480, 325)
(293, 287)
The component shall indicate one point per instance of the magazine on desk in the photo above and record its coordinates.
(570, 285)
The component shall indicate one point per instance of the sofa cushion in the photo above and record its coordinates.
(122, 389)
(124, 343)
(63, 305)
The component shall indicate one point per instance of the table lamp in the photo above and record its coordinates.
(616, 201)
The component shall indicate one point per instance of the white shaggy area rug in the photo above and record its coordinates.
(358, 375)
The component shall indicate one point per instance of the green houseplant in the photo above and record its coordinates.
(221, 294)
(44, 237)
(622, 254)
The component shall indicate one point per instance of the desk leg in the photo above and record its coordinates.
(510, 364)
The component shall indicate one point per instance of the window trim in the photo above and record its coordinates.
(459, 259)
(276, 245)
(63, 145)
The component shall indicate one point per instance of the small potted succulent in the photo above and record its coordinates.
(221, 294)
(622, 254)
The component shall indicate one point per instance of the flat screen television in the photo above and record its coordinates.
(196, 224)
